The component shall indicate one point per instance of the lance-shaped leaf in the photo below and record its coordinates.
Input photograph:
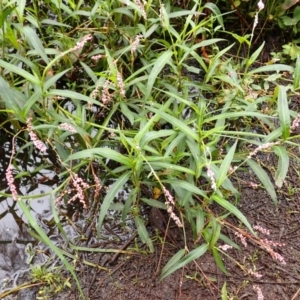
(264, 179)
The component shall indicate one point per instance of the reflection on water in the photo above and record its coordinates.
(16, 243)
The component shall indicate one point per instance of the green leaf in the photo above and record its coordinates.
(215, 233)
(195, 151)
(128, 203)
(104, 152)
(178, 124)
(11, 36)
(296, 82)
(174, 260)
(264, 179)
(33, 39)
(283, 111)
(154, 203)
(4, 13)
(14, 69)
(200, 219)
(54, 23)
(211, 6)
(224, 295)
(143, 233)
(187, 186)
(89, 71)
(215, 62)
(113, 190)
(227, 184)
(20, 8)
(170, 167)
(152, 135)
(157, 67)
(228, 241)
(219, 260)
(127, 113)
(254, 56)
(283, 165)
(223, 171)
(193, 255)
(272, 68)
(145, 128)
(71, 94)
(234, 210)
(8, 95)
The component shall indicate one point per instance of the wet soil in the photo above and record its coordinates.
(137, 276)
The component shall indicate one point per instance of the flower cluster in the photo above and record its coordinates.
(253, 273)
(161, 14)
(11, 182)
(79, 185)
(37, 143)
(67, 127)
(170, 203)
(121, 84)
(295, 123)
(232, 169)
(261, 229)
(225, 247)
(106, 96)
(260, 6)
(242, 238)
(81, 44)
(98, 185)
(277, 256)
(135, 43)
(252, 184)
(76, 188)
(260, 295)
(142, 8)
(262, 147)
(95, 91)
(97, 57)
(211, 176)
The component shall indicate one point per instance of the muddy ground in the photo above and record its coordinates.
(137, 277)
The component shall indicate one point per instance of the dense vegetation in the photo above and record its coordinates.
(171, 98)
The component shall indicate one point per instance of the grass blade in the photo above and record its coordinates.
(14, 69)
(272, 68)
(222, 172)
(218, 260)
(254, 56)
(158, 66)
(104, 152)
(195, 254)
(35, 42)
(119, 183)
(176, 123)
(283, 111)
(296, 82)
(143, 232)
(283, 165)
(173, 260)
(264, 179)
(231, 208)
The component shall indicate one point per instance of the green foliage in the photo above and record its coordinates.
(152, 111)
(51, 280)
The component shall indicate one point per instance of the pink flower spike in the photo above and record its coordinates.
(11, 182)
